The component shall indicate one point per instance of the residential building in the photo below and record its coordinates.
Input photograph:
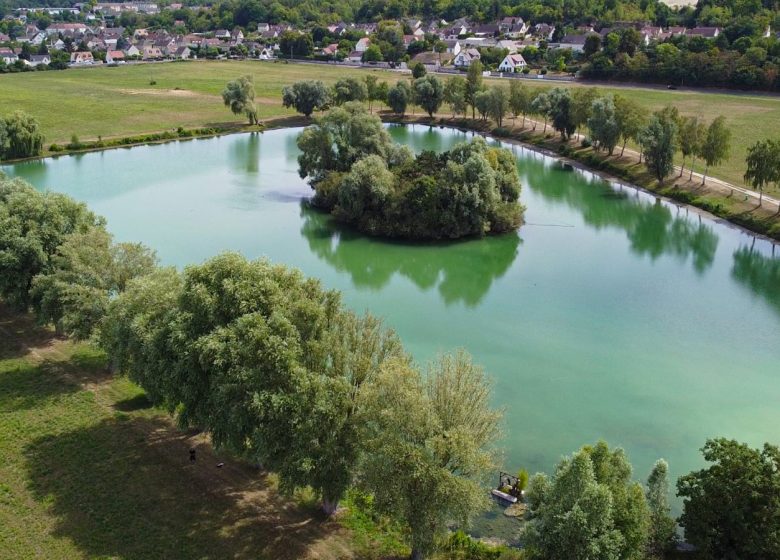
(512, 63)
(465, 57)
(81, 59)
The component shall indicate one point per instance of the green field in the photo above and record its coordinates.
(121, 101)
(89, 470)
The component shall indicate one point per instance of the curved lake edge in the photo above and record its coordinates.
(465, 125)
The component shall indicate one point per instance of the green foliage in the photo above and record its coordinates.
(20, 136)
(366, 180)
(418, 70)
(716, 144)
(663, 534)
(522, 479)
(731, 508)
(473, 84)
(86, 271)
(763, 165)
(33, 225)
(428, 93)
(659, 143)
(588, 510)
(603, 125)
(459, 546)
(349, 89)
(455, 95)
(239, 95)
(561, 112)
(398, 97)
(631, 118)
(430, 445)
(306, 96)
(497, 104)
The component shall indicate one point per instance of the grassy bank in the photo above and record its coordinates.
(88, 469)
(121, 101)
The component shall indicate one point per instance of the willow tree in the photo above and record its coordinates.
(239, 95)
(430, 445)
(763, 166)
(691, 135)
(716, 145)
(659, 143)
(32, 226)
(20, 136)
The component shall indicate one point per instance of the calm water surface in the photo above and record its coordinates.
(608, 315)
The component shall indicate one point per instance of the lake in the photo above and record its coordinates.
(610, 314)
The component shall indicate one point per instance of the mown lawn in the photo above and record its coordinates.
(89, 470)
(121, 101)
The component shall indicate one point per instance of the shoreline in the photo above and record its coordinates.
(672, 194)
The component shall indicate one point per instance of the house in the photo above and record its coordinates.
(455, 32)
(58, 45)
(181, 53)
(263, 27)
(706, 32)
(419, 33)
(222, 34)
(39, 60)
(266, 53)
(355, 56)
(432, 61)
(544, 31)
(4, 38)
(513, 26)
(8, 56)
(81, 59)
(237, 35)
(65, 28)
(574, 42)
(363, 44)
(140, 34)
(486, 30)
(453, 46)
(465, 58)
(408, 40)
(114, 57)
(331, 50)
(512, 63)
(132, 50)
(152, 53)
(511, 46)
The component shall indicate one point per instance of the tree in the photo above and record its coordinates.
(398, 97)
(603, 125)
(691, 135)
(430, 445)
(455, 95)
(32, 226)
(588, 510)
(582, 104)
(659, 142)
(349, 89)
(372, 54)
(560, 111)
(473, 84)
(592, 45)
(22, 135)
(429, 93)
(239, 95)
(418, 70)
(306, 96)
(731, 508)
(716, 144)
(631, 118)
(662, 535)
(519, 99)
(540, 105)
(482, 103)
(293, 43)
(763, 165)
(498, 104)
(375, 90)
(87, 271)
(337, 140)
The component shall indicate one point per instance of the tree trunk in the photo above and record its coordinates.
(682, 167)
(523, 125)
(623, 149)
(329, 506)
(545, 127)
(704, 177)
(760, 197)
(693, 162)
(416, 554)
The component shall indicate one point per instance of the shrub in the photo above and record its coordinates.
(55, 148)
(75, 143)
(586, 143)
(501, 131)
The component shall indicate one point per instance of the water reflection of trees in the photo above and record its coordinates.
(653, 229)
(462, 272)
(759, 273)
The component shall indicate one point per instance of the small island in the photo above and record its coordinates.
(366, 180)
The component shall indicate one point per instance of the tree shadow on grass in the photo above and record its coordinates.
(125, 488)
(26, 384)
(19, 334)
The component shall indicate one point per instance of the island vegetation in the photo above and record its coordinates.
(364, 179)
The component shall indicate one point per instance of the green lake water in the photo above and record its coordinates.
(610, 314)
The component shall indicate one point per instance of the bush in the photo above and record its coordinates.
(543, 71)
(526, 70)
(75, 143)
(501, 131)
(586, 143)
(55, 148)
